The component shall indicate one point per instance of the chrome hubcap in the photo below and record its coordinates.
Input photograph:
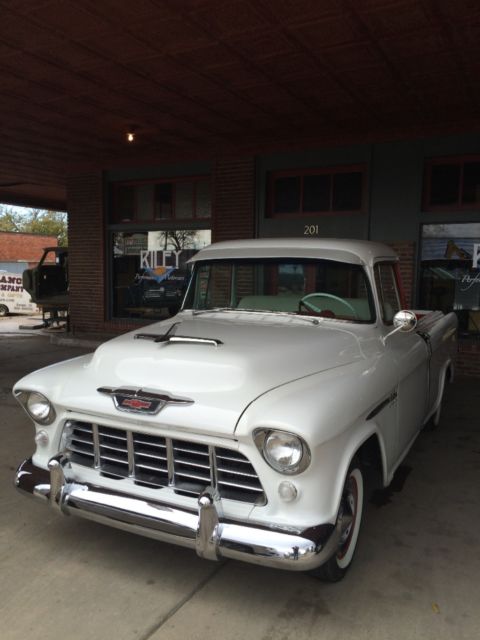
(347, 514)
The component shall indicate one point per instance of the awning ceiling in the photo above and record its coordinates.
(199, 77)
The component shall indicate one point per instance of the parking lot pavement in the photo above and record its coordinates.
(415, 575)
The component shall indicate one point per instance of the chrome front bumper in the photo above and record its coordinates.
(204, 530)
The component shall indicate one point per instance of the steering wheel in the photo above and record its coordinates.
(306, 302)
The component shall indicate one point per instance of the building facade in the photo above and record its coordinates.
(133, 228)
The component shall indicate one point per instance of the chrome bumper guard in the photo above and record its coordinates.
(205, 530)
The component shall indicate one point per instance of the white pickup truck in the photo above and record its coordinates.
(244, 426)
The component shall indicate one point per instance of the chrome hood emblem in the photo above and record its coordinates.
(144, 401)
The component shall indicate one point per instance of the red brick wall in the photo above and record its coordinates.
(24, 246)
(234, 198)
(468, 359)
(406, 253)
(86, 252)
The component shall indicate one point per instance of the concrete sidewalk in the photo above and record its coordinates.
(416, 574)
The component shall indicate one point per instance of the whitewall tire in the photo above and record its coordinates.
(350, 519)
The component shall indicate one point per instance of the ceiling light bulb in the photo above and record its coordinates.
(130, 136)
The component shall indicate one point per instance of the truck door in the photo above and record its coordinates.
(408, 353)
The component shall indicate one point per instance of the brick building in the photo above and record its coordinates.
(19, 251)
(249, 119)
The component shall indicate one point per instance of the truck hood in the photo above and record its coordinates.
(256, 354)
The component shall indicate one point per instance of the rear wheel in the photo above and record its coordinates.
(349, 518)
(3, 310)
(434, 420)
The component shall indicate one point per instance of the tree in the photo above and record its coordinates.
(51, 223)
(180, 239)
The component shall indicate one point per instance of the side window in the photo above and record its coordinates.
(387, 289)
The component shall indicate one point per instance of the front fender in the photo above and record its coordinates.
(329, 411)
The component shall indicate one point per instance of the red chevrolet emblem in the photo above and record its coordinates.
(133, 403)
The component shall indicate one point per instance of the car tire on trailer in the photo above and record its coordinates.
(3, 310)
(350, 510)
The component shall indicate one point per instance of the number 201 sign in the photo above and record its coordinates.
(310, 230)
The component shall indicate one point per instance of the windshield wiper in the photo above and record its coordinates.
(285, 314)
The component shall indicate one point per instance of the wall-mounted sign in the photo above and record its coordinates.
(175, 259)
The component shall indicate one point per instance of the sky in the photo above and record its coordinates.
(21, 210)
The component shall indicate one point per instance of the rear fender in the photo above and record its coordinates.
(446, 372)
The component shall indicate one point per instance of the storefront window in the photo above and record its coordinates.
(450, 272)
(452, 184)
(180, 198)
(150, 272)
(327, 190)
(163, 200)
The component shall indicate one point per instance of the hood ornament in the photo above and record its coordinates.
(143, 401)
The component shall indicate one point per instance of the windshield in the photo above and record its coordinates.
(323, 288)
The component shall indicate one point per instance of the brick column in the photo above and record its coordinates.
(234, 198)
(86, 237)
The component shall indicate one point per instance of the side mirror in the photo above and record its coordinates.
(404, 321)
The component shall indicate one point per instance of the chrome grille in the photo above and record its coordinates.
(155, 461)
(150, 460)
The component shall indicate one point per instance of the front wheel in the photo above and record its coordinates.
(3, 310)
(349, 519)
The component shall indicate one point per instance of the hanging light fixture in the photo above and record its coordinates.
(131, 135)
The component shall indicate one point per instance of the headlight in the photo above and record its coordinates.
(38, 407)
(283, 451)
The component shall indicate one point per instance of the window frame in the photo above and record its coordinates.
(459, 161)
(195, 179)
(302, 173)
(398, 285)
